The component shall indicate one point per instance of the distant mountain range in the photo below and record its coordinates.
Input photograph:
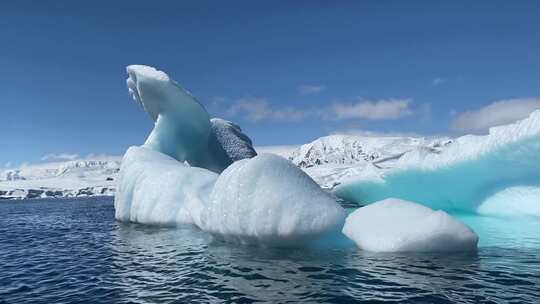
(61, 179)
(329, 160)
(352, 150)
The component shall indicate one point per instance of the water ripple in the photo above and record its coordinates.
(74, 252)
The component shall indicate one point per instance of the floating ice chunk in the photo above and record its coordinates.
(465, 175)
(394, 225)
(157, 189)
(268, 199)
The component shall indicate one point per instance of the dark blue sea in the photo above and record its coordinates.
(73, 251)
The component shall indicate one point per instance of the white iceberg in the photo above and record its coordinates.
(173, 178)
(470, 173)
(154, 188)
(394, 225)
(269, 199)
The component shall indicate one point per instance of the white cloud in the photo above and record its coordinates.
(368, 133)
(102, 156)
(437, 81)
(373, 110)
(259, 109)
(309, 89)
(59, 156)
(495, 114)
(7, 165)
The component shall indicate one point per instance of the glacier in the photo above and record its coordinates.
(496, 174)
(193, 170)
(395, 225)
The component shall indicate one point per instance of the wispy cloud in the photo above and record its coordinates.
(384, 109)
(437, 81)
(309, 89)
(7, 165)
(497, 113)
(369, 133)
(59, 156)
(260, 109)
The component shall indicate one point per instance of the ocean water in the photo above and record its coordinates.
(73, 251)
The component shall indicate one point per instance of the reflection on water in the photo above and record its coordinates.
(70, 251)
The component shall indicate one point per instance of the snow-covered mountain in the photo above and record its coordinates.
(83, 177)
(329, 160)
(352, 150)
(333, 159)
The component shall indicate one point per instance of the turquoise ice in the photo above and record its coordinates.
(183, 129)
(496, 174)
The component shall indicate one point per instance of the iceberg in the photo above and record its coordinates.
(155, 188)
(197, 171)
(183, 129)
(395, 225)
(268, 199)
(498, 173)
(176, 134)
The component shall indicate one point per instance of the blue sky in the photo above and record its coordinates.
(286, 71)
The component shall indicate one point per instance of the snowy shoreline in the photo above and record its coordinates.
(47, 193)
